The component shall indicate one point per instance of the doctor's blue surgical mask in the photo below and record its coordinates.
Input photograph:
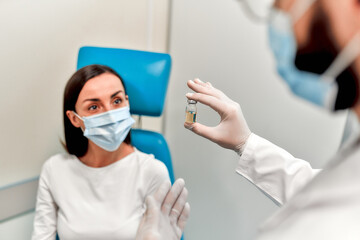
(109, 129)
(319, 89)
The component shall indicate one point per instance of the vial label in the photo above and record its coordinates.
(190, 117)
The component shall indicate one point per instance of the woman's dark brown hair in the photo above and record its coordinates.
(75, 142)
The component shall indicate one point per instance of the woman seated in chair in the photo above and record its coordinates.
(96, 190)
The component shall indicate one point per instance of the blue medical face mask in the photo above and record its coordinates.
(321, 90)
(109, 129)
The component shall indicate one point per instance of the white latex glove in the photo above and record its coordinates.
(166, 214)
(232, 131)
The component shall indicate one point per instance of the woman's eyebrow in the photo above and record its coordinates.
(92, 100)
(116, 93)
(97, 100)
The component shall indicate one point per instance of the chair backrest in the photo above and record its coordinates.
(146, 77)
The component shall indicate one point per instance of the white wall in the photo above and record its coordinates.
(38, 52)
(19, 228)
(215, 41)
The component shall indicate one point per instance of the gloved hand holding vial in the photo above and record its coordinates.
(232, 131)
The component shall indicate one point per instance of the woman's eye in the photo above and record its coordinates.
(117, 101)
(92, 107)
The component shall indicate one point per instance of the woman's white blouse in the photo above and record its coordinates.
(81, 202)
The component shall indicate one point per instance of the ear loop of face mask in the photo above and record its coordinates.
(344, 59)
(80, 119)
(299, 8)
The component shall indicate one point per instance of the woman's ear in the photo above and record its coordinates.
(75, 121)
(127, 99)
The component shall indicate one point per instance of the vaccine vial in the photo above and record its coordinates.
(191, 111)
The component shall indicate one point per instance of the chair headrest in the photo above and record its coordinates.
(145, 75)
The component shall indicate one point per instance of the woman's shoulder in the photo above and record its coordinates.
(60, 157)
(149, 161)
(155, 172)
(57, 160)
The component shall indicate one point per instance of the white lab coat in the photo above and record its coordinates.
(316, 204)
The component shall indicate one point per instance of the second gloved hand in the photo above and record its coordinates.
(167, 213)
(232, 131)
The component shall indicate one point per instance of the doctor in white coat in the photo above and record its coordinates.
(316, 44)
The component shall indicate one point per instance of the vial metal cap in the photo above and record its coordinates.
(191, 101)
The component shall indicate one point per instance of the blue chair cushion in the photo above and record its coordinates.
(145, 75)
(153, 143)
